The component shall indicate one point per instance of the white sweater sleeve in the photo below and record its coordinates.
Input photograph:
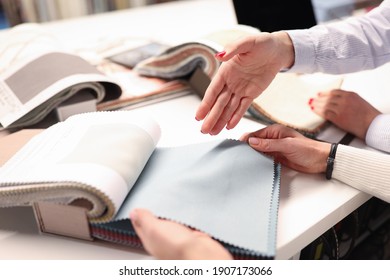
(356, 44)
(378, 133)
(365, 170)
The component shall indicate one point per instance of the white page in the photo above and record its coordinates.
(105, 150)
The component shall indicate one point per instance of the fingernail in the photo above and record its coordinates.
(253, 141)
(220, 54)
(196, 118)
(310, 101)
(311, 107)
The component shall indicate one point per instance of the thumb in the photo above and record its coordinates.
(267, 145)
(141, 219)
(242, 45)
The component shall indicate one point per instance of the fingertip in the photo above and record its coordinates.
(208, 125)
(229, 127)
(201, 113)
(134, 217)
(138, 215)
(220, 54)
(244, 137)
(214, 132)
(199, 117)
(233, 122)
(204, 130)
(238, 114)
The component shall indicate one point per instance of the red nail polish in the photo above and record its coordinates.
(310, 101)
(220, 54)
(311, 107)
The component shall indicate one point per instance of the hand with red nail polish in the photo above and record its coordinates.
(249, 65)
(220, 54)
(340, 107)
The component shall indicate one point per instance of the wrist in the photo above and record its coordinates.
(368, 121)
(323, 155)
(286, 49)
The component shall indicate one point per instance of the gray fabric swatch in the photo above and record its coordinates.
(223, 188)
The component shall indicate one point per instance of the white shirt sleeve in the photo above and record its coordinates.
(365, 170)
(355, 44)
(378, 133)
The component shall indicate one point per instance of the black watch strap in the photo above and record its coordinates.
(330, 161)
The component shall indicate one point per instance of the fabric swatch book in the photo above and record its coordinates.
(38, 74)
(285, 101)
(84, 175)
(181, 60)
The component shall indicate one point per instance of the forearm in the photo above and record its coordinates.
(365, 170)
(346, 46)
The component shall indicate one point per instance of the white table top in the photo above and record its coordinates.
(309, 204)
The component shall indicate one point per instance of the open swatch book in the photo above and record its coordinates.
(41, 79)
(84, 175)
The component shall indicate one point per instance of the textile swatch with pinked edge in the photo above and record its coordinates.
(222, 187)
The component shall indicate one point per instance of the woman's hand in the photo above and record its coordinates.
(345, 109)
(290, 148)
(249, 66)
